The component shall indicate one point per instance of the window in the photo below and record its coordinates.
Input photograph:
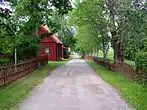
(47, 51)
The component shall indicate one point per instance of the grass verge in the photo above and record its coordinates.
(13, 94)
(135, 94)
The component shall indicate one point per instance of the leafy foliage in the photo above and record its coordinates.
(60, 25)
(85, 40)
(137, 36)
(141, 62)
(89, 17)
(63, 6)
(20, 29)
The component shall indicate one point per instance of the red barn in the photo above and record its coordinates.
(50, 45)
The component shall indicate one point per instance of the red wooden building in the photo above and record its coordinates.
(50, 45)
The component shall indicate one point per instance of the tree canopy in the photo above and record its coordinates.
(19, 29)
(117, 24)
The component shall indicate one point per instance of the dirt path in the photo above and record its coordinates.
(74, 86)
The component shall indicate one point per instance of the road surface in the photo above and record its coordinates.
(74, 86)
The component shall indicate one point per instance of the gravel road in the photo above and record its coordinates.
(74, 86)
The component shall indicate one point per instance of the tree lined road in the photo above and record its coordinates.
(74, 86)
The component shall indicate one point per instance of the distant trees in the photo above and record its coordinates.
(60, 24)
(90, 19)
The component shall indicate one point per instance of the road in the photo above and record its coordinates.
(74, 86)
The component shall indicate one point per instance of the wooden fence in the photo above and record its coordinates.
(127, 70)
(10, 73)
(6, 64)
(5, 56)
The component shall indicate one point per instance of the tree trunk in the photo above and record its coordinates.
(15, 59)
(118, 53)
(97, 52)
(118, 48)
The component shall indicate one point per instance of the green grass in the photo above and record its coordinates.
(133, 93)
(129, 62)
(13, 94)
(111, 54)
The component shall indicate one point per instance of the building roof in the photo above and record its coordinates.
(45, 29)
(55, 39)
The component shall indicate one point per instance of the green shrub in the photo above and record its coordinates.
(141, 67)
(5, 60)
(141, 61)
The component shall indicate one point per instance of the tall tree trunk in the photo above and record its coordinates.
(15, 59)
(118, 48)
(97, 52)
(118, 53)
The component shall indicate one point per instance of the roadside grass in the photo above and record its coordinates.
(14, 93)
(133, 93)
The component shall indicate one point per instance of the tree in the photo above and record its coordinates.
(93, 13)
(115, 11)
(5, 31)
(85, 42)
(62, 6)
(137, 35)
(59, 24)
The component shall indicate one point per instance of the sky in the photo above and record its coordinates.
(5, 5)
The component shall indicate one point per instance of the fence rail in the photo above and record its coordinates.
(127, 70)
(5, 56)
(10, 73)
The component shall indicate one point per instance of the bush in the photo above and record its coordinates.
(5, 60)
(66, 53)
(129, 53)
(141, 61)
(141, 67)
